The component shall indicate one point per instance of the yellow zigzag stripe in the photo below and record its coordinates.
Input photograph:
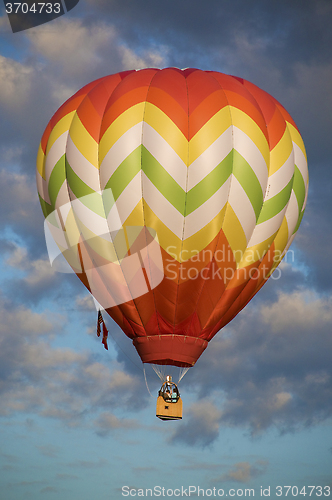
(234, 233)
(83, 141)
(209, 133)
(62, 126)
(167, 129)
(296, 138)
(242, 121)
(41, 162)
(121, 124)
(168, 240)
(280, 153)
(281, 238)
(256, 252)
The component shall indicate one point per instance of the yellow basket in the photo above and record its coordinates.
(169, 411)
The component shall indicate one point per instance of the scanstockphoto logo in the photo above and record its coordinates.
(29, 14)
(120, 263)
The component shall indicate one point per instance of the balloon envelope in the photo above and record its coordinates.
(173, 194)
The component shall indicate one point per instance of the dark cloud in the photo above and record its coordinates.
(20, 209)
(315, 236)
(297, 30)
(270, 368)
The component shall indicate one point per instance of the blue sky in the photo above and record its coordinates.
(78, 422)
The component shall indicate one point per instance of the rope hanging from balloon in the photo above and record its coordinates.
(100, 321)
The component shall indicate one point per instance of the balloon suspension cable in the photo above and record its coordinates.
(183, 372)
(146, 381)
(162, 371)
(159, 372)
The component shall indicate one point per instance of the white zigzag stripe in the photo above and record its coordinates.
(292, 213)
(301, 163)
(123, 147)
(203, 165)
(165, 155)
(210, 158)
(42, 188)
(127, 200)
(242, 207)
(163, 209)
(250, 152)
(266, 229)
(96, 223)
(85, 170)
(63, 195)
(279, 180)
(54, 154)
(172, 163)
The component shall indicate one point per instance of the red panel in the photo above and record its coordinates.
(177, 350)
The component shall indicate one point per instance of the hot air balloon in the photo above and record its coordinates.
(173, 194)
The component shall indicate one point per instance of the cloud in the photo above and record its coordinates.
(108, 422)
(35, 278)
(19, 202)
(296, 30)
(201, 427)
(271, 366)
(15, 83)
(57, 382)
(79, 49)
(243, 472)
(301, 309)
(71, 45)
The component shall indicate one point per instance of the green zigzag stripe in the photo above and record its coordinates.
(94, 202)
(249, 182)
(274, 205)
(184, 202)
(299, 187)
(200, 193)
(125, 172)
(57, 178)
(46, 207)
(298, 222)
(163, 181)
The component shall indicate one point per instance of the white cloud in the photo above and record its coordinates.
(71, 43)
(131, 60)
(15, 82)
(304, 309)
(78, 49)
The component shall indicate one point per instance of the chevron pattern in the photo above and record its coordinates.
(210, 162)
